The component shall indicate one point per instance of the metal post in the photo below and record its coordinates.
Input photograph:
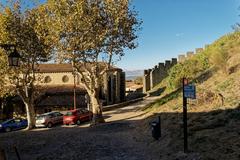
(74, 89)
(185, 119)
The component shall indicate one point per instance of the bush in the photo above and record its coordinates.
(220, 58)
(189, 69)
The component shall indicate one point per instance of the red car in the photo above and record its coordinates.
(77, 116)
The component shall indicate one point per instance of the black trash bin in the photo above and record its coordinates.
(156, 129)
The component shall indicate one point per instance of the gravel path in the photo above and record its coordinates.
(118, 139)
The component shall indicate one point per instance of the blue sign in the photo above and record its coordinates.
(189, 91)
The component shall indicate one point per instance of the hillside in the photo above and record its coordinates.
(214, 117)
(133, 74)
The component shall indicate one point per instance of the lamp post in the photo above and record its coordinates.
(14, 56)
(74, 85)
(74, 89)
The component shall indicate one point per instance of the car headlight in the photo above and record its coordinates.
(0, 126)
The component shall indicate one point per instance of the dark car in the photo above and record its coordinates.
(77, 116)
(49, 119)
(13, 124)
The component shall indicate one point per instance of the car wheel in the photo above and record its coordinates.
(91, 117)
(8, 129)
(49, 125)
(78, 122)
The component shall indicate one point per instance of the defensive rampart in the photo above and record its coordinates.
(154, 76)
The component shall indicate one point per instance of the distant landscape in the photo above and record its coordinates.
(133, 74)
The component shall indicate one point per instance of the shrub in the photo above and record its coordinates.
(188, 69)
(220, 58)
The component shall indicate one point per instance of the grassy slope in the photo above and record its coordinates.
(214, 120)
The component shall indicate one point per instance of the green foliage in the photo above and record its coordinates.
(188, 69)
(222, 49)
(163, 100)
(168, 98)
(223, 86)
(26, 29)
(3, 73)
(216, 54)
(220, 58)
(92, 35)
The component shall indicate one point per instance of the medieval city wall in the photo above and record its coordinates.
(154, 76)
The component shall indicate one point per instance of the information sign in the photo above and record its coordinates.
(189, 91)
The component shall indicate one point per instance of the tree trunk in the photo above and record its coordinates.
(30, 115)
(96, 109)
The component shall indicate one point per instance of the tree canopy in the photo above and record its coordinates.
(26, 30)
(92, 33)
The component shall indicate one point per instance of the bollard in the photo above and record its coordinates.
(156, 128)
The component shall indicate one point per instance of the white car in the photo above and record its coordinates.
(49, 119)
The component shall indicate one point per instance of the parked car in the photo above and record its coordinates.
(49, 119)
(77, 116)
(13, 124)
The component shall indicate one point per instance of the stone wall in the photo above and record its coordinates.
(57, 78)
(154, 76)
(114, 87)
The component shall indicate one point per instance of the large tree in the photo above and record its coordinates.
(26, 29)
(92, 34)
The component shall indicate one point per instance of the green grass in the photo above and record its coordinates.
(163, 100)
(224, 85)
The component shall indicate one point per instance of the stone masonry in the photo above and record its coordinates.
(154, 76)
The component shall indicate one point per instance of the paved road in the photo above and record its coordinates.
(115, 140)
(130, 112)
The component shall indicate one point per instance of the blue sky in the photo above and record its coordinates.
(171, 27)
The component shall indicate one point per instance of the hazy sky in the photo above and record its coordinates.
(171, 27)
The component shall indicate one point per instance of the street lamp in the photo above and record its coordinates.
(74, 85)
(13, 57)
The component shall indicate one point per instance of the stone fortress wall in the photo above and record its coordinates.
(154, 76)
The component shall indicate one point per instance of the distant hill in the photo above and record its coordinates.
(132, 74)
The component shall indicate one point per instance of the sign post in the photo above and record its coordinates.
(189, 91)
(185, 117)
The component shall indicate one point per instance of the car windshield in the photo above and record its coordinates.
(40, 117)
(7, 121)
(70, 113)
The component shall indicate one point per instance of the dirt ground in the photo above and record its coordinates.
(115, 140)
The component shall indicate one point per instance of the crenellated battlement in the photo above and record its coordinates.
(154, 76)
